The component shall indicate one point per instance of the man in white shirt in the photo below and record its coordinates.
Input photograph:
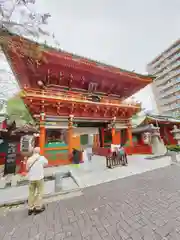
(35, 167)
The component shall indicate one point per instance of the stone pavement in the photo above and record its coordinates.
(137, 164)
(94, 174)
(14, 195)
(139, 207)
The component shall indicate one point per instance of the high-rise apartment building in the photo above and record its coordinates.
(166, 85)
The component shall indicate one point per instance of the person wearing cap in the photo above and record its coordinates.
(35, 167)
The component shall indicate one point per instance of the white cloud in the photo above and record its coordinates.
(127, 34)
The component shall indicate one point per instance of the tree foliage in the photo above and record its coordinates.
(18, 16)
(21, 18)
(18, 112)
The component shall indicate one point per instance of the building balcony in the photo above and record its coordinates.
(165, 64)
(178, 79)
(165, 55)
(165, 101)
(166, 108)
(171, 107)
(167, 86)
(172, 91)
(169, 68)
(175, 106)
(173, 113)
(177, 87)
(170, 60)
(170, 84)
(162, 81)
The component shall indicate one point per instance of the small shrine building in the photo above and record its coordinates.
(142, 124)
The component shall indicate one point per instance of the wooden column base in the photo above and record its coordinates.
(129, 135)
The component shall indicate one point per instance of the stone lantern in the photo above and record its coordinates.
(157, 143)
(176, 134)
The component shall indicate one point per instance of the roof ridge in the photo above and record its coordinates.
(77, 56)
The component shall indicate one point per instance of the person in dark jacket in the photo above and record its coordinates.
(75, 156)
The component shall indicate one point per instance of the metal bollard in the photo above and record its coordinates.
(58, 182)
(74, 178)
(173, 156)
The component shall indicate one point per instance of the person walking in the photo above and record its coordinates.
(89, 152)
(87, 158)
(35, 167)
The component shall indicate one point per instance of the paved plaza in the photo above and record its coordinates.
(144, 206)
(88, 175)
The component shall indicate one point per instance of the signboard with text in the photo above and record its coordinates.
(10, 161)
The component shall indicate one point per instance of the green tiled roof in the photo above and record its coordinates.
(138, 120)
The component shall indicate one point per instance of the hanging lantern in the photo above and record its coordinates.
(27, 143)
(146, 138)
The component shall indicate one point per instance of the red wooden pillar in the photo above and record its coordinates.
(102, 136)
(70, 135)
(42, 137)
(113, 132)
(141, 140)
(120, 136)
(129, 135)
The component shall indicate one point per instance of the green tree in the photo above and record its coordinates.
(18, 112)
(19, 17)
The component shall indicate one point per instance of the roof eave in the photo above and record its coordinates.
(45, 46)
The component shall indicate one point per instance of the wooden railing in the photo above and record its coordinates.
(71, 96)
(116, 159)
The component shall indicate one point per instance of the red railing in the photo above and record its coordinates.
(101, 151)
(138, 149)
